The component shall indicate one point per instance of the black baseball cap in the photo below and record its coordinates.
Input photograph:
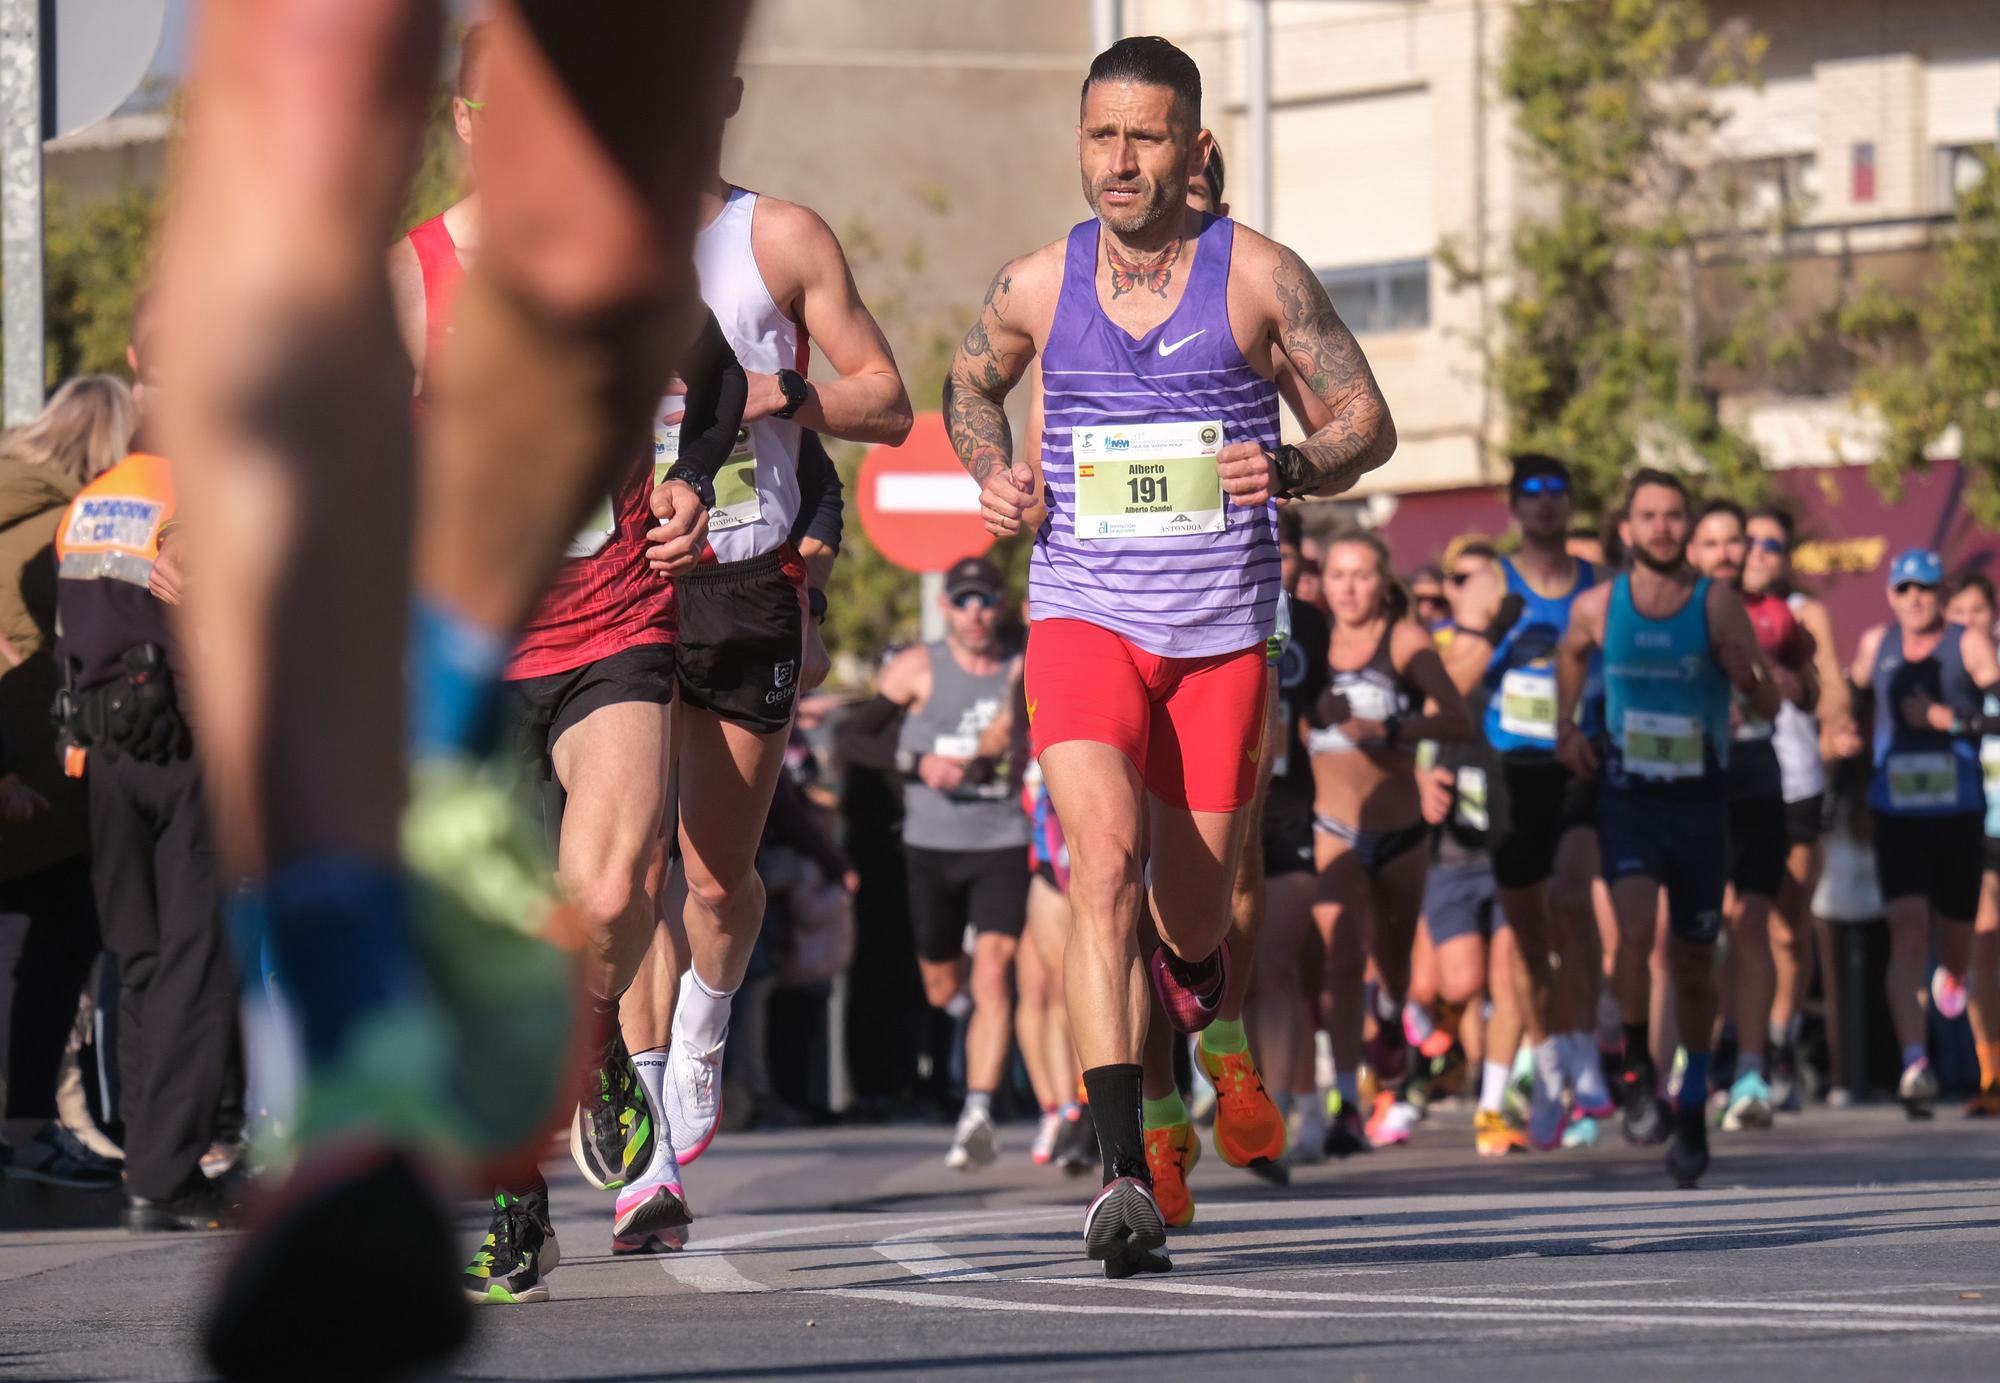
(974, 574)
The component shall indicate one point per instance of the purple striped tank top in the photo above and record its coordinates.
(1183, 595)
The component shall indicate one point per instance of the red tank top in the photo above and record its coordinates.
(599, 604)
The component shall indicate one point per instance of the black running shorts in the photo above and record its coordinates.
(1934, 857)
(742, 629)
(1758, 844)
(953, 889)
(1544, 804)
(545, 707)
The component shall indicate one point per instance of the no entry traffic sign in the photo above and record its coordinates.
(918, 506)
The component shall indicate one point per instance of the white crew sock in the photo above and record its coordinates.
(702, 1018)
(652, 1069)
(979, 1102)
(1492, 1084)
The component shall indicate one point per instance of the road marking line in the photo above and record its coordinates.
(706, 1270)
(1621, 1320)
(1956, 1315)
(930, 1262)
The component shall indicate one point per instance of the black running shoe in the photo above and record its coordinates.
(1346, 1131)
(206, 1207)
(612, 1133)
(1123, 1226)
(520, 1248)
(1135, 1262)
(1687, 1155)
(275, 1316)
(1076, 1148)
(1644, 1116)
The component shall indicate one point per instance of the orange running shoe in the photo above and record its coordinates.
(1171, 1153)
(1984, 1105)
(1249, 1130)
(1493, 1136)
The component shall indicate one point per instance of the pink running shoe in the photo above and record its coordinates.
(1191, 994)
(651, 1219)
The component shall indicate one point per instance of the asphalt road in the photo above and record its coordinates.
(1850, 1245)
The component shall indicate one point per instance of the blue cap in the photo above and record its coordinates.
(1920, 565)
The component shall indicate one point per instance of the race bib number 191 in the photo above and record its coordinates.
(1147, 480)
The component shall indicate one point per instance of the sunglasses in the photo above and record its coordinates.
(973, 600)
(1543, 485)
(1459, 578)
(1774, 546)
(1905, 587)
(1428, 597)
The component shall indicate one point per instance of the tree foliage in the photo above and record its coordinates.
(1934, 362)
(1603, 351)
(95, 261)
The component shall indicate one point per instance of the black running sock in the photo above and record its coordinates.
(1638, 1046)
(530, 1185)
(1116, 1095)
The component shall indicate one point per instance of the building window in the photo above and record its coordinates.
(1381, 297)
(1781, 190)
(1861, 173)
(1959, 169)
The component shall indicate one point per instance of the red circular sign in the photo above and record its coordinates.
(918, 506)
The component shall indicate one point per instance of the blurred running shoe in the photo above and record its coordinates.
(1391, 1122)
(1171, 1153)
(651, 1219)
(1493, 1136)
(1582, 1132)
(1985, 1104)
(1586, 1077)
(974, 1143)
(1076, 1151)
(1918, 1089)
(1190, 992)
(1305, 1130)
(1346, 1135)
(1948, 993)
(612, 1132)
(1641, 1111)
(1749, 1104)
(1687, 1155)
(1043, 1150)
(56, 1157)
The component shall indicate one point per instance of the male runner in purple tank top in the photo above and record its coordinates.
(1152, 596)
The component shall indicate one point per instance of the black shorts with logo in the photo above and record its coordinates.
(742, 629)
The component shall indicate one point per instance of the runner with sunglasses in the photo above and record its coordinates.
(1544, 859)
(965, 838)
(1927, 678)
(1767, 569)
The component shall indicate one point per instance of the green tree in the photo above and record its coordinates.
(1934, 362)
(95, 262)
(1602, 349)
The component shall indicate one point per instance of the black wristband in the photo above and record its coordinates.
(702, 485)
(1293, 470)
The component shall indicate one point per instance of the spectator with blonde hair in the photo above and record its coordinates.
(44, 859)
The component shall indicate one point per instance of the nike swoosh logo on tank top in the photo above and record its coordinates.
(1184, 595)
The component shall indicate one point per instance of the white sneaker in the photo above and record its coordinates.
(1043, 1150)
(1305, 1132)
(1917, 1089)
(974, 1143)
(694, 1098)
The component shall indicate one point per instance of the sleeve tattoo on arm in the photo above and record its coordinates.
(1359, 436)
(980, 376)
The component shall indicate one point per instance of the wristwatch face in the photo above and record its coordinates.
(793, 385)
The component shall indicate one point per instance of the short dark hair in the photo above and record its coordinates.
(1780, 516)
(1611, 540)
(1151, 61)
(1653, 475)
(1720, 505)
(1528, 464)
(472, 56)
(1214, 172)
(1972, 581)
(1291, 528)
(1429, 571)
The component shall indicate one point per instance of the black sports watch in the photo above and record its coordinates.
(702, 485)
(792, 385)
(816, 604)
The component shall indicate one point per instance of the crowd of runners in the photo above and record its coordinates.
(1287, 845)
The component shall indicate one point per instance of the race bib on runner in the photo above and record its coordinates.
(956, 746)
(1471, 784)
(737, 503)
(1921, 781)
(1528, 704)
(1657, 745)
(1147, 480)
